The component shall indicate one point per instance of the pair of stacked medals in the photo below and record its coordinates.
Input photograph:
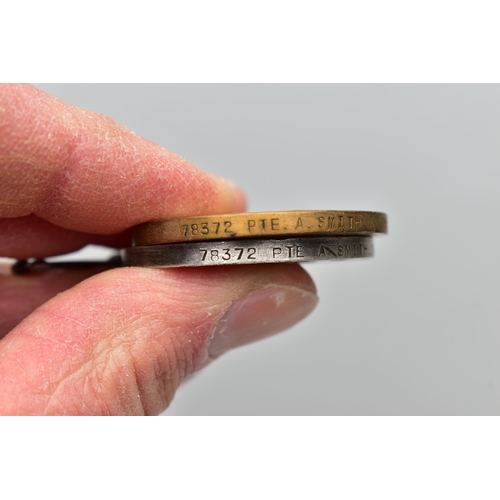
(255, 238)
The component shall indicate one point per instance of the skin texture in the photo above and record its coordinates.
(86, 342)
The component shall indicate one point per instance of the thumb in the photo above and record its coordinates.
(122, 341)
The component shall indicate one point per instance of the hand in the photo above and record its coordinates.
(119, 341)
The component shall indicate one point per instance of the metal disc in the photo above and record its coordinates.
(249, 251)
(293, 223)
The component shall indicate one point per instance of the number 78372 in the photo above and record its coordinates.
(228, 254)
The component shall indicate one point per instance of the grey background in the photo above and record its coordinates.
(412, 331)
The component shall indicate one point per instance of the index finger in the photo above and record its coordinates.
(83, 171)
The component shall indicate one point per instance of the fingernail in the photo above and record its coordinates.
(260, 314)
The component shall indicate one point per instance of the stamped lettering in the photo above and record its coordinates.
(227, 254)
(324, 250)
(248, 251)
(288, 223)
(343, 251)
